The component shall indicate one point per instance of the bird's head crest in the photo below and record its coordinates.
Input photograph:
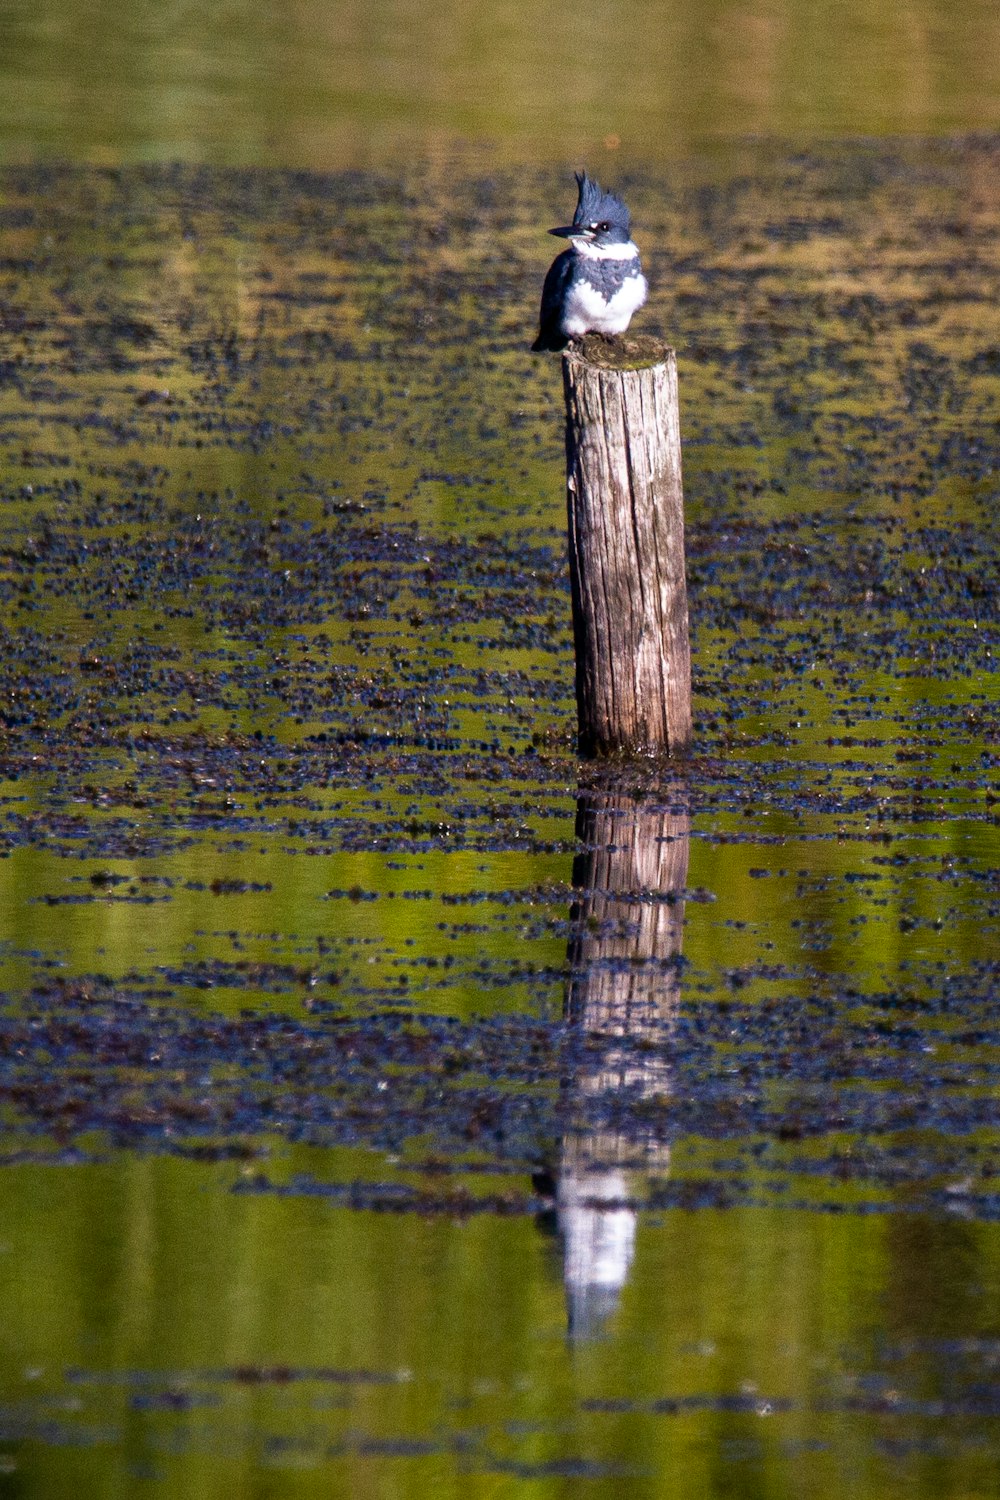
(595, 205)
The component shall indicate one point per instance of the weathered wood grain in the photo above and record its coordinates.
(625, 508)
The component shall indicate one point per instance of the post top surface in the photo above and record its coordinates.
(622, 351)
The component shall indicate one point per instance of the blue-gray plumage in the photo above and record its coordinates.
(597, 284)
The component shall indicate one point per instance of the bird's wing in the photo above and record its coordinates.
(550, 334)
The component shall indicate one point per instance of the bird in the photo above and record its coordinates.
(597, 284)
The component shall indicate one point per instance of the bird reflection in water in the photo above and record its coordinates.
(623, 993)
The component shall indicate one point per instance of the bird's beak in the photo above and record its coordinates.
(573, 232)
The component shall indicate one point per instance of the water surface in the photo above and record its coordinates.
(336, 85)
(391, 1101)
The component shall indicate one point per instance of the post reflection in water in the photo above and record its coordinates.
(623, 993)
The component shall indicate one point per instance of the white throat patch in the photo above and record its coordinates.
(604, 252)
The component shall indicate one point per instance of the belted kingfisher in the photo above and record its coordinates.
(597, 284)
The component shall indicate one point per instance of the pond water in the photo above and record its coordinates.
(392, 1103)
(329, 83)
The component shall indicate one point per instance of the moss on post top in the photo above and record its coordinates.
(620, 351)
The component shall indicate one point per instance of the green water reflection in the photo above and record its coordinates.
(158, 1331)
(321, 84)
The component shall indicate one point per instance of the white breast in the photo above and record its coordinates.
(587, 312)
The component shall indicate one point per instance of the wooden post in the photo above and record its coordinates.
(626, 547)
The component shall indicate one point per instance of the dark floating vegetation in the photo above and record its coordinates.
(795, 1091)
(287, 778)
